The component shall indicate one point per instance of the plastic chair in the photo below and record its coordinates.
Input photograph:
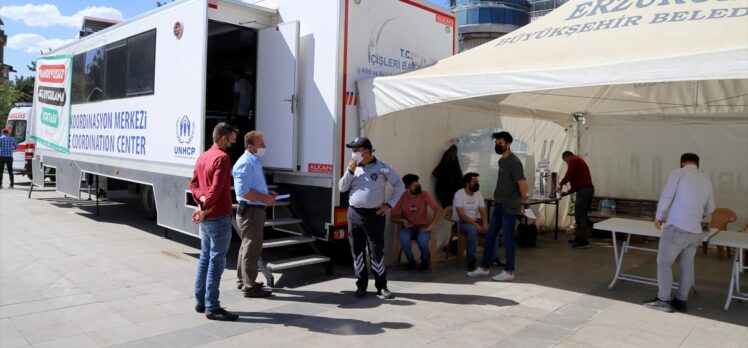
(720, 218)
(397, 250)
(461, 241)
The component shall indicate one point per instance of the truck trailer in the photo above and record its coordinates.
(141, 98)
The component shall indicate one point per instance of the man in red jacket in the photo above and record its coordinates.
(211, 189)
(578, 175)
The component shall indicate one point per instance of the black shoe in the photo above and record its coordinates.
(257, 292)
(360, 293)
(200, 308)
(221, 314)
(581, 245)
(385, 294)
(240, 286)
(424, 266)
(573, 241)
(678, 305)
(471, 265)
(411, 265)
(659, 305)
(498, 264)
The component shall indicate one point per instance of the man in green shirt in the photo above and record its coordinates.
(511, 191)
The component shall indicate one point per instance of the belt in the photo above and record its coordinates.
(364, 209)
(244, 204)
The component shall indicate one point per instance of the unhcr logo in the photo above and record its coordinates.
(185, 133)
(185, 130)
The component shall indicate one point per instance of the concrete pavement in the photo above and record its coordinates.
(71, 279)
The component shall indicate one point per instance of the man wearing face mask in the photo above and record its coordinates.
(365, 180)
(510, 192)
(253, 196)
(211, 189)
(469, 208)
(578, 175)
(411, 212)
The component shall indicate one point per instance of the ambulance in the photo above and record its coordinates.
(20, 127)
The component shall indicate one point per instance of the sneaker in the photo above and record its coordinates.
(581, 245)
(360, 293)
(678, 305)
(221, 314)
(385, 294)
(659, 305)
(424, 266)
(200, 308)
(257, 292)
(411, 266)
(478, 272)
(503, 276)
(498, 264)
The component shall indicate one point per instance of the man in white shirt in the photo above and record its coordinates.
(467, 203)
(688, 197)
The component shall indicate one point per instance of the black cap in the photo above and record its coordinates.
(360, 142)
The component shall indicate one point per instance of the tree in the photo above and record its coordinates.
(8, 96)
(24, 85)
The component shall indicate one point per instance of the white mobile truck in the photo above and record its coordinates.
(142, 97)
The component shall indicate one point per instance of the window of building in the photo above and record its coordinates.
(122, 69)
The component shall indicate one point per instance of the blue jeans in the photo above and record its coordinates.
(408, 233)
(471, 236)
(215, 238)
(505, 220)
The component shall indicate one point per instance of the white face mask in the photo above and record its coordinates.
(357, 156)
(261, 152)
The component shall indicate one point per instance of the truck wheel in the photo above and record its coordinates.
(147, 202)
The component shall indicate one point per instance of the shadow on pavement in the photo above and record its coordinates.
(330, 326)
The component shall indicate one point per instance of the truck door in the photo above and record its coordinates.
(277, 65)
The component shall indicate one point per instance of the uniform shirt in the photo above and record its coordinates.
(415, 209)
(578, 174)
(212, 179)
(469, 203)
(7, 146)
(244, 90)
(248, 176)
(367, 185)
(507, 191)
(689, 196)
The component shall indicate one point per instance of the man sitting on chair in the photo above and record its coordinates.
(467, 203)
(411, 212)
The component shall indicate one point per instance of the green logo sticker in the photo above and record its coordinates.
(50, 117)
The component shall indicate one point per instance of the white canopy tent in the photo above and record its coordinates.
(651, 78)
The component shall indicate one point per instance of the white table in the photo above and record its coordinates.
(739, 241)
(637, 227)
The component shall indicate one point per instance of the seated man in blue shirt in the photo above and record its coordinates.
(253, 196)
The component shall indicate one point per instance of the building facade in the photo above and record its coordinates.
(480, 21)
(539, 8)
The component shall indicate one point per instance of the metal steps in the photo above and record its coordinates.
(282, 221)
(287, 241)
(306, 260)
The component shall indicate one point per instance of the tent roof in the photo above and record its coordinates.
(650, 57)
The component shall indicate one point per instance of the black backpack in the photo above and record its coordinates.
(527, 235)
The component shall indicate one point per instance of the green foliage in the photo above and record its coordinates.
(25, 88)
(8, 96)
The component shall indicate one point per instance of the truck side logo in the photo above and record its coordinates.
(50, 117)
(185, 130)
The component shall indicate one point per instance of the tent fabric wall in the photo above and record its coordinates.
(632, 157)
(413, 140)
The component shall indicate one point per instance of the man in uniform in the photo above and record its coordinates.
(365, 180)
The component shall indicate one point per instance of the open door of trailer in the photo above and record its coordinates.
(277, 66)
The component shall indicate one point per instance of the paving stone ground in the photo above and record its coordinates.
(69, 278)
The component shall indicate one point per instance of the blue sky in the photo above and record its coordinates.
(39, 25)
